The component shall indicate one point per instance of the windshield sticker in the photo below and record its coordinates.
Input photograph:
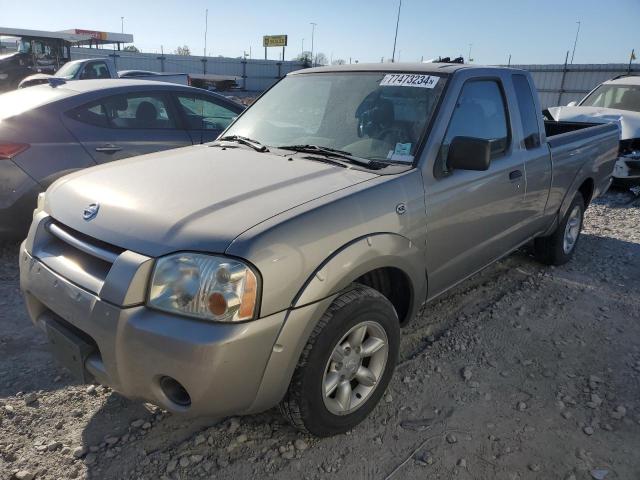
(399, 157)
(402, 149)
(409, 80)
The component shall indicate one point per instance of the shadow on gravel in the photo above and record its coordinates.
(143, 433)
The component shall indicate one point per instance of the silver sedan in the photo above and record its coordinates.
(50, 130)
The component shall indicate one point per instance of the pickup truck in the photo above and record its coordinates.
(99, 68)
(278, 264)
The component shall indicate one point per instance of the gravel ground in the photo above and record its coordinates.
(521, 372)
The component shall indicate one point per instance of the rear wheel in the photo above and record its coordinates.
(346, 365)
(558, 248)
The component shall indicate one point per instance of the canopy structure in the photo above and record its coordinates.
(72, 37)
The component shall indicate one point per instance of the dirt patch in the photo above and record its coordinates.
(523, 371)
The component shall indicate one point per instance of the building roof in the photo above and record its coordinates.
(75, 36)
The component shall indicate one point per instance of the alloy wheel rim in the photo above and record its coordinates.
(355, 368)
(572, 230)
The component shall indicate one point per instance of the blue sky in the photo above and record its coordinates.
(531, 31)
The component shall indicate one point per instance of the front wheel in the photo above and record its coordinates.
(346, 365)
(558, 248)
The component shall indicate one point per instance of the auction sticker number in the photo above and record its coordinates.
(409, 80)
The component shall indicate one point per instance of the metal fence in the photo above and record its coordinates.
(253, 75)
(561, 84)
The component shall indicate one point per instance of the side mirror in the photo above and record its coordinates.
(469, 153)
(572, 104)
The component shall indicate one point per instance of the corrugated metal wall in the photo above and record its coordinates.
(578, 80)
(258, 75)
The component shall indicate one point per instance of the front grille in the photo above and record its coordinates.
(82, 259)
(84, 243)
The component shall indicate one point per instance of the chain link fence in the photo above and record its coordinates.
(252, 75)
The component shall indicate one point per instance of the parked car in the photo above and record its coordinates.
(34, 55)
(48, 131)
(616, 100)
(278, 264)
(100, 68)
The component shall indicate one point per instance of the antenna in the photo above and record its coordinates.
(201, 120)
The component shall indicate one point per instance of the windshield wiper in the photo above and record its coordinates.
(256, 145)
(329, 152)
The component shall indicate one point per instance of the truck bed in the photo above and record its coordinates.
(578, 148)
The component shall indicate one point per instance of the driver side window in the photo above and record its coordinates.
(480, 112)
(204, 114)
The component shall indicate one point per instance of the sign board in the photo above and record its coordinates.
(91, 33)
(274, 41)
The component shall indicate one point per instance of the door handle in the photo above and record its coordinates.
(108, 148)
(515, 175)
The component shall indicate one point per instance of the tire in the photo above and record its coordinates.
(305, 405)
(552, 250)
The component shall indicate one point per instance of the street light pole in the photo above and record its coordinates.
(393, 56)
(575, 43)
(313, 31)
(302, 51)
(206, 26)
(469, 59)
(121, 24)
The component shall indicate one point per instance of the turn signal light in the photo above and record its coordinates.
(10, 150)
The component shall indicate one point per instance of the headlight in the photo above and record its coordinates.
(203, 286)
(40, 204)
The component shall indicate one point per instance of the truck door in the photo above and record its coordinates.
(474, 217)
(125, 125)
(535, 156)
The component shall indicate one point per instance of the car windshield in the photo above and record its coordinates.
(68, 70)
(376, 116)
(620, 97)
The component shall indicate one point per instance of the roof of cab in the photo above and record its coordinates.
(446, 68)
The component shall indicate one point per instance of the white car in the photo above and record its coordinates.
(616, 100)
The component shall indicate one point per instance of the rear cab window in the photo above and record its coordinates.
(528, 113)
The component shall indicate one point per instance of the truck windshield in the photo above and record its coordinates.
(69, 70)
(377, 116)
(620, 97)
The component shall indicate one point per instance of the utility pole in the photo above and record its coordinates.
(121, 24)
(302, 51)
(509, 62)
(313, 31)
(395, 40)
(206, 26)
(575, 42)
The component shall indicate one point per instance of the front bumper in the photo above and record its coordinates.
(220, 365)
(627, 168)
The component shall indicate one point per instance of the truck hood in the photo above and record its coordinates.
(195, 198)
(629, 121)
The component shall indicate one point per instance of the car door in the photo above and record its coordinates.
(125, 125)
(473, 217)
(205, 116)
